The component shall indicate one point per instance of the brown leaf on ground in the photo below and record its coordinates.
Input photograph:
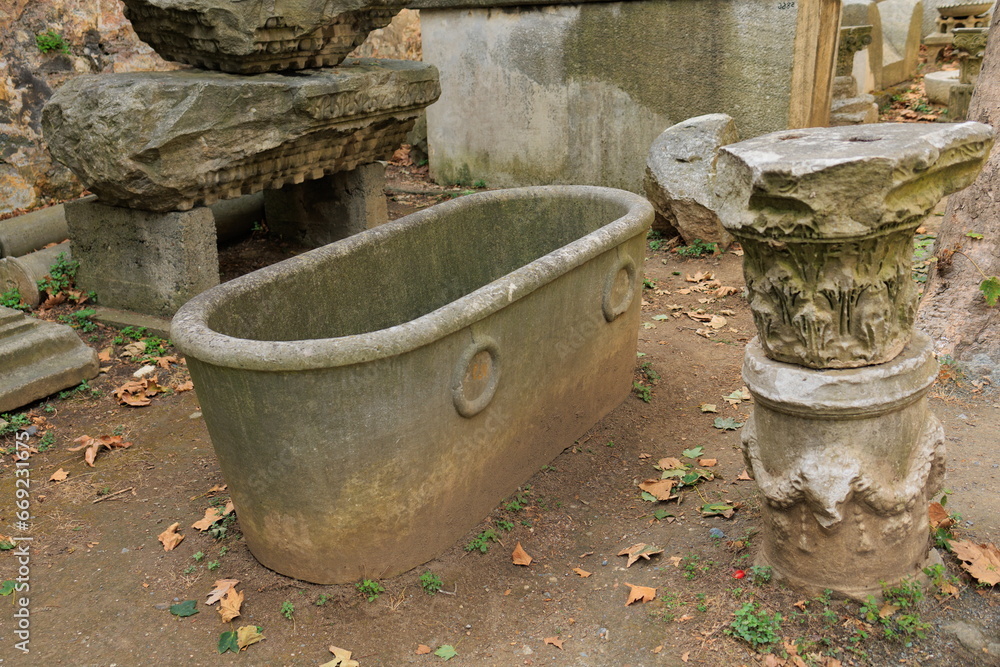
(105, 354)
(583, 573)
(134, 349)
(640, 594)
(59, 476)
(939, 516)
(341, 658)
(211, 516)
(230, 606)
(52, 301)
(229, 508)
(699, 276)
(93, 445)
(554, 641)
(164, 362)
(659, 488)
(645, 456)
(184, 386)
(247, 635)
(982, 561)
(669, 463)
(132, 393)
(725, 290)
(640, 550)
(744, 476)
(520, 556)
(707, 463)
(170, 538)
(222, 586)
(423, 649)
(699, 317)
(685, 656)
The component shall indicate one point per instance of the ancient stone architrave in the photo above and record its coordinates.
(169, 141)
(846, 461)
(253, 36)
(852, 39)
(680, 177)
(825, 217)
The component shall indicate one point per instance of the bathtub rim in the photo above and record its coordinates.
(192, 335)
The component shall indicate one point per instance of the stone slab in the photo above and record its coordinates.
(253, 36)
(938, 85)
(680, 177)
(558, 93)
(901, 35)
(39, 358)
(145, 262)
(165, 141)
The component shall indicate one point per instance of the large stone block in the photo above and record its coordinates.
(901, 35)
(172, 140)
(146, 262)
(39, 358)
(254, 36)
(577, 93)
(826, 217)
(680, 177)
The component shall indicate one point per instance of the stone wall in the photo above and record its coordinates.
(98, 39)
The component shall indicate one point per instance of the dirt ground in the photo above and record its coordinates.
(101, 584)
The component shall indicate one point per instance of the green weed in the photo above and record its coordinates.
(287, 609)
(370, 588)
(755, 626)
(481, 542)
(430, 582)
(697, 249)
(51, 41)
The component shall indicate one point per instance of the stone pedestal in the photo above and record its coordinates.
(329, 209)
(39, 358)
(846, 459)
(145, 262)
(972, 43)
(847, 462)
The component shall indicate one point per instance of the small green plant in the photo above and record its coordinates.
(648, 283)
(755, 626)
(129, 333)
(198, 556)
(14, 422)
(60, 276)
(370, 588)
(190, 569)
(322, 600)
(697, 249)
(517, 503)
(46, 441)
(80, 320)
(479, 183)
(655, 239)
(51, 41)
(693, 566)
(212, 565)
(642, 392)
(287, 609)
(702, 605)
(647, 370)
(430, 582)
(79, 389)
(118, 430)
(902, 600)
(760, 574)
(12, 299)
(481, 542)
(223, 551)
(505, 525)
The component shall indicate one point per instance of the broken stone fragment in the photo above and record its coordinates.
(252, 36)
(826, 217)
(39, 358)
(167, 141)
(680, 177)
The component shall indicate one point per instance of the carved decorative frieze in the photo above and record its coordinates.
(173, 140)
(253, 36)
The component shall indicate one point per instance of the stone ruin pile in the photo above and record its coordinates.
(158, 148)
(841, 443)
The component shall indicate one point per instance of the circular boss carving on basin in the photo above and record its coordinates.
(476, 376)
(619, 289)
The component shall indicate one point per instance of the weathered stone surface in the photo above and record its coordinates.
(170, 141)
(852, 39)
(868, 62)
(938, 85)
(145, 262)
(825, 217)
(32, 231)
(254, 36)
(972, 43)
(556, 94)
(680, 177)
(857, 110)
(901, 34)
(99, 39)
(23, 273)
(39, 358)
(847, 462)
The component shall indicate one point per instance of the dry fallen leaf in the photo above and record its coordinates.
(640, 594)
(676, 560)
(888, 610)
(230, 606)
(184, 386)
(164, 362)
(659, 488)
(554, 641)
(685, 656)
(222, 586)
(717, 322)
(93, 445)
(59, 475)
(982, 561)
(708, 407)
(211, 516)
(640, 550)
(341, 658)
(520, 556)
(725, 290)
(939, 516)
(423, 649)
(170, 538)
(645, 456)
(707, 463)
(669, 463)
(580, 571)
(105, 354)
(801, 604)
(744, 476)
(247, 635)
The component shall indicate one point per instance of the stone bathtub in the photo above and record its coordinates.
(372, 400)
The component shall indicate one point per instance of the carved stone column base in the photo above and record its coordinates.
(847, 461)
